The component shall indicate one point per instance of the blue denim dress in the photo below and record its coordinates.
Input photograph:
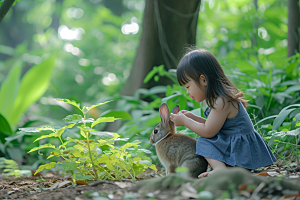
(237, 143)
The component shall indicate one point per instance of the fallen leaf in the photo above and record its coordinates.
(59, 185)
(242, 187)
(10, 192)
(268, 174)
(273, 173)
(79, 182)
(292, 195)
(262, 174)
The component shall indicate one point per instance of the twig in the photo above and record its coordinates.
(256, 191)
(5, 8)
(101, 182)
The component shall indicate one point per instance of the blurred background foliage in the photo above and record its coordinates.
(94, 44)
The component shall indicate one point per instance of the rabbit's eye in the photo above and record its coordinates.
(155, 131)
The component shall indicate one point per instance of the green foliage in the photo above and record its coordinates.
(17, 95)
(11, 167)
(285, 143)
(5, 129)
(250, 43)
(94, 156)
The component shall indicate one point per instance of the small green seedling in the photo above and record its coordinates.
(41, 179)
(95, 156)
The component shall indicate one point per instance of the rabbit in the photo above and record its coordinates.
(175, 149)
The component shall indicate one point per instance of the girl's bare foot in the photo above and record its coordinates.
(215, 165)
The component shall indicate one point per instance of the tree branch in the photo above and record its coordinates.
(5, 8)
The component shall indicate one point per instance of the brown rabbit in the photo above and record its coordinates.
(174, 149)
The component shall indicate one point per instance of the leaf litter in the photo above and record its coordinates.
(55, 187)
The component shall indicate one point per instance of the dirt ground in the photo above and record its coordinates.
(55, 187)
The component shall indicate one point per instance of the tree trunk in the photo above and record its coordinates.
(5, 8)
(168, 26)
(293, 27)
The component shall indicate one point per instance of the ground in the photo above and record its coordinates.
(269, 183)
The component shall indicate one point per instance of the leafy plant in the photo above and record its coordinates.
(94, 156)
(286, 143)
(288, 116)
(11, 167)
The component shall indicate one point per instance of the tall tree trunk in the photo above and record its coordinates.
(168, 26)
(293, 27)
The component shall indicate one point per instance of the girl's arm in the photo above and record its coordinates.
(213, 123)
(193, 117)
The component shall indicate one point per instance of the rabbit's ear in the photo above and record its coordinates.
(175, 110)
(164, 112)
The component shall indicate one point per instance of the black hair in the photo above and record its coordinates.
(202, 62)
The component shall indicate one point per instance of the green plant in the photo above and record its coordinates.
(94, 156)
(286, 143)
(11, 167)
(284, 139)
(286, 119)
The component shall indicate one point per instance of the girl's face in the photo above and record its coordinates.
(196, 92)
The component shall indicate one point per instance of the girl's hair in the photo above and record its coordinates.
(202, 62)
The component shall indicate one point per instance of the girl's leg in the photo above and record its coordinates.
(215, 165)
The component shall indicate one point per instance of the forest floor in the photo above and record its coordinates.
(55, 187)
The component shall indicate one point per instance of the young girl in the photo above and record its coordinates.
(227, 136)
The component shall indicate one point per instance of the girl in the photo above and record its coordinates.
(227, 136)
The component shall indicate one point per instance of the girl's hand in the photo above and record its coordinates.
(186, 113)
(178, 119)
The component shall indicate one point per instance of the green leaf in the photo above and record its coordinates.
(164, 100)
(75, 118)
(145, 162)
(73, 103)
(264, 119)
(4, 126)
(56, 134)
(9, 89)
(33, 85)
(291, 89)
(84, 130)
(46, 166)
(127, 145)
(29, 130)
(69, 126)
(104, 119)
(79, 147)
(99, 104)
(117, 113)
(69, 166)
(103, 135)
(150, 74)
(145, 151)
(42, 147)
(294, 132)
(47, 128)
(82, 177)
(281, 117)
